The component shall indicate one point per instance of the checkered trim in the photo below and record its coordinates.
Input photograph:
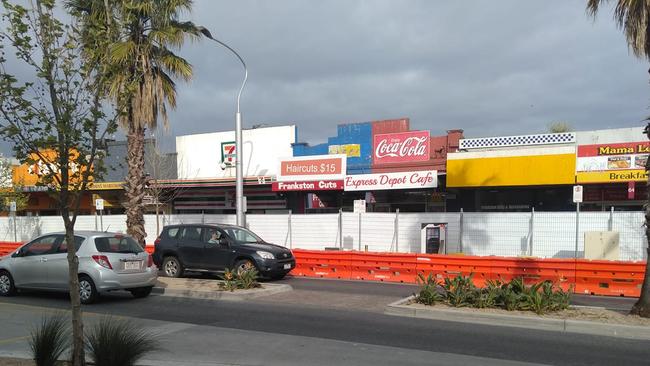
(523, 140)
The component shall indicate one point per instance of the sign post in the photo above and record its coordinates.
(577, 198)
(12, 209)
(99, 206)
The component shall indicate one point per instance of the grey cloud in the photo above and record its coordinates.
(491, 68)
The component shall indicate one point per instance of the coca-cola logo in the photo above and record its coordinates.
(407, 146)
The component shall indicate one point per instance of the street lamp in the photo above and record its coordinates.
(239, 148)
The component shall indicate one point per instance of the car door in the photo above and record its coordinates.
(29, 268)
(191, 246)
(57, 263)
(218, 253)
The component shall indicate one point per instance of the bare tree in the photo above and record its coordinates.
(54, 118)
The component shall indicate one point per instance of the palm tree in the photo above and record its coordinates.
(142, 68)
(633, 16)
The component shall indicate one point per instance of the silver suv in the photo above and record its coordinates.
(107, 262)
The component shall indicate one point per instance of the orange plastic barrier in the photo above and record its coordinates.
(612, 278)
(389, 267)
(322, 264)
(7, 247)
(450, 266)
(532, 270)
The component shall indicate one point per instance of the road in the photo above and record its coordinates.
(322, 323)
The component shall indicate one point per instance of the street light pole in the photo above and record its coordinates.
(239, 147)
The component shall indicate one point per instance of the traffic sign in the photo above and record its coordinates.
(577, 194)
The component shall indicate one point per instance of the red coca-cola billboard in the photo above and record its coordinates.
(401, 147)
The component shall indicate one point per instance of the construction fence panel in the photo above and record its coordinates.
(272, 228)
(411, 224)
(378, 232)
(632, 239)
(315, 231)
(351, 230)
(504, 234)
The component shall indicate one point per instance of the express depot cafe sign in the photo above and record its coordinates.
(398, 180)
(401, 147)
(311, 173)
(620, 162)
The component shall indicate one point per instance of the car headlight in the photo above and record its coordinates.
(265, 255)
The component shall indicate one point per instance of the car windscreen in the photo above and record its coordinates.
(117, 244)
(242, 235)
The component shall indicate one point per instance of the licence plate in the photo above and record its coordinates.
(287, 266)
(132, 265)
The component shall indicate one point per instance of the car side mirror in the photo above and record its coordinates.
(17, 253)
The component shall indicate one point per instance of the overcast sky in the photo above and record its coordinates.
(487, 67)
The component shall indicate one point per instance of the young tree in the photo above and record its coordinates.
(53, 117)
(160, 167)
(10, 191)
(143, 35)
(633, 17)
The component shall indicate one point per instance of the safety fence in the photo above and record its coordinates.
(609, 278)
(511, 234)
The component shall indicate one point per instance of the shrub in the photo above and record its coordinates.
(428, 294)
(242, 279)
(229, 280)
(114, 342)
(487, 297)
(532, 299)
(247, 279)
(509, 296)
(459, 291)
(50, 340)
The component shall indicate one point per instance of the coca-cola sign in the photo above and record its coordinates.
(401, 147)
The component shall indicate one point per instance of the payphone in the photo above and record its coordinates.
(434, 238)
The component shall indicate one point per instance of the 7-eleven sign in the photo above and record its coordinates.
(228, 153)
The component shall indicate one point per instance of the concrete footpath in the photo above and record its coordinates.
(211, 345)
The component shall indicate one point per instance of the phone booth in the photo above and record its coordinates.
(434, 238)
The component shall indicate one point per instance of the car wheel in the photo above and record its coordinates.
(278, 277)
(7, 287)
(141, 292)
(244, 264)
(172, 267)
(87, 291)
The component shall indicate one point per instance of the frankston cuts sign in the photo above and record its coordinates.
(320, 185)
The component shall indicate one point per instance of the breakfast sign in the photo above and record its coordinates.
(604, 163)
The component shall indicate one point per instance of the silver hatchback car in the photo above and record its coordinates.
(107, 262)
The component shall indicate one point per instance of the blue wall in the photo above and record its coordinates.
(354, 133)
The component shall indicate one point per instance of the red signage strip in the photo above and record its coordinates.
(614, 149)
(401, 147)
(319, 185)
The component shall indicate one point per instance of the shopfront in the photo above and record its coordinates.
(206, 166)
(392, 156)
(610, 165)
(513, 173)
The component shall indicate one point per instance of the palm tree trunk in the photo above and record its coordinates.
(642, 306)
(135, 183)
